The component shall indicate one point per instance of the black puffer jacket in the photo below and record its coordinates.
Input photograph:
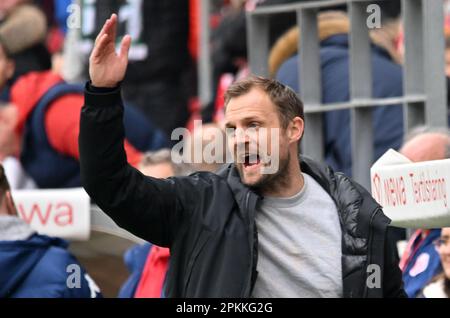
(208, 220)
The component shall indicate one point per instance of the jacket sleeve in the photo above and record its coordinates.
(147, 207)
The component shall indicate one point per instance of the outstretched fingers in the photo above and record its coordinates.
(125, 47)
(100, 46)
(112, 27)
(109, 27)
(103, 31)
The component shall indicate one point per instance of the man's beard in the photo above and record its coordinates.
(273, 181)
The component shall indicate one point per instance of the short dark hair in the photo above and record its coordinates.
(4, 184)
(285, 99)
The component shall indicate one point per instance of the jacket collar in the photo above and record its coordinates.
(333, 183)
(239, 190)
(322, 174)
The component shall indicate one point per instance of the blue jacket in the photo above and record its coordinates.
(423, 266)
(386, 82)
(41, 267)
(135, 258)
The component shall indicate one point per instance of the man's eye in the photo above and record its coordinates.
(253, 125)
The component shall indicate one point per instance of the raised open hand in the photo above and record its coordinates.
(106, 67)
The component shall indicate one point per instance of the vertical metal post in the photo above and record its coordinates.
(258, 43)
(310, 82)
(413, 69)
(434, 75)
(360, 89)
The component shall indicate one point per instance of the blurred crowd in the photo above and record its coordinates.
(44, 53)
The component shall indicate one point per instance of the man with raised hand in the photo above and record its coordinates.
(300, 230)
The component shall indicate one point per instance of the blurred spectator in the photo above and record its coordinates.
(135, 259)
(56, 14)
(333, 31)
(439, 287)
(33, 265)
(207, 134)
(23, 29)
(420, 261)
(159, 164)
(40, 123)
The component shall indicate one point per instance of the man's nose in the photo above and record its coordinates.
(242, 137)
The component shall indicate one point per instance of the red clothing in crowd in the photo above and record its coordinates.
(154, 273)
(62, 120)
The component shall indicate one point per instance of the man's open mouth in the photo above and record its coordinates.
(251, 160)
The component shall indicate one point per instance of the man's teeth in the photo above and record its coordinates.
(251, 159)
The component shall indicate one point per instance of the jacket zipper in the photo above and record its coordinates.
(369, 246)
(248, 286)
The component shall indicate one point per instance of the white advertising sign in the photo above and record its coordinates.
(413, 195)
(61, 213)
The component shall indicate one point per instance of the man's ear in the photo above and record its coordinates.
(296, 129)
(10, 206)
